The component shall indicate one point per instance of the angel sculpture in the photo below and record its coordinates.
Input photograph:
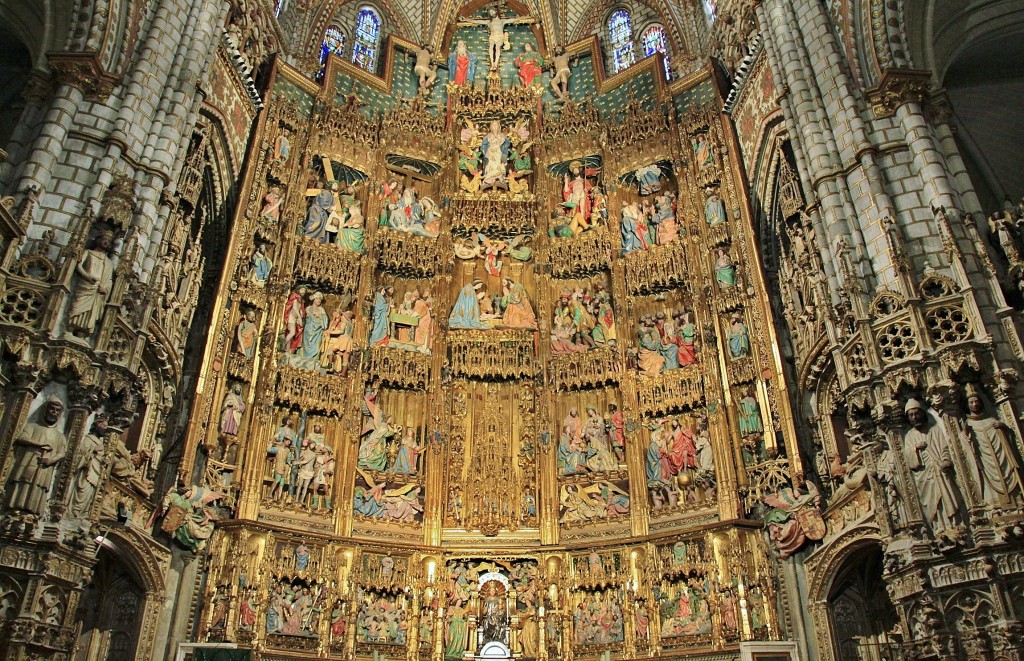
(478, 245)
(402, 504)
(581, 504)
(470, 132)
(377, 429)
(492, 250)
(187, 518)
(516, 184)
(468, 247)
(794, 517)
(522, 129)
(470, 157)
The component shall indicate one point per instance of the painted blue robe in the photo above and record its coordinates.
(313, 331)
(630, 242)
(316, 217)
(381, 320)
(466, 312)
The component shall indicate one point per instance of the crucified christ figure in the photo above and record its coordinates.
(497, 39)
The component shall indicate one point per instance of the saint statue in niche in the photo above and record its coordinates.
(530, 63)
(95, 272)
(492, 608)
(495, 146)
(462, 64)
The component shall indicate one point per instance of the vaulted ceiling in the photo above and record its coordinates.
(39, 25)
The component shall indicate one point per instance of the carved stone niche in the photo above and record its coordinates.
(118, 204)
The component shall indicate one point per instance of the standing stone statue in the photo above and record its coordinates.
(88, 469)
(95, 277)
(928, 456)
(231, 411)
(997, 466)
(37, 449)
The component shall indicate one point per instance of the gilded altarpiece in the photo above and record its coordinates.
(492, 373)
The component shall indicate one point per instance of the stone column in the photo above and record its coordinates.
(49, 145)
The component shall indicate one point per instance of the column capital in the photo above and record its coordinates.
(83, 71)
(897, 87)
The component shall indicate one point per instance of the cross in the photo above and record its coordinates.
(329, 173)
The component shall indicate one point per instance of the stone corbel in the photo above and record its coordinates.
(84, 71)
(897, 87)
(1005, 384)
(939, 110)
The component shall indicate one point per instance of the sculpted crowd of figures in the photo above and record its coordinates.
(317, 330)
(657, 382)
(302, 465)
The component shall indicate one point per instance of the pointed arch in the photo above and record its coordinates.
(366, 37)
(396, 22)
(653, 39)
(622, 50)
(671, 20)
(333, 42)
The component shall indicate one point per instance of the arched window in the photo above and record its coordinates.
(711, 9)
(334, 42)
(654, 41)
(364, 47)
(620, 35)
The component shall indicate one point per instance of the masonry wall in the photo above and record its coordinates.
(69, 147)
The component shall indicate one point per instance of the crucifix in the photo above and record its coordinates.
(497, 39)
(329, 175)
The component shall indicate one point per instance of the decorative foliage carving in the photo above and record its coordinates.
(580, 255)
(311, 390)
(491, 98)
(413, 129)
(406, 254)
(494, 214)
(669, 392)
(897, 87)
(584, 370)
(491, 354)
(657, 269)
(337, 130)
(639, 125)
(326, 264)
(403, 369)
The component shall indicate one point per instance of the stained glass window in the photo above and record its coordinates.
(334, 42)
(620, 34)
(364, 48)
(711, 9)
(654, 41)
